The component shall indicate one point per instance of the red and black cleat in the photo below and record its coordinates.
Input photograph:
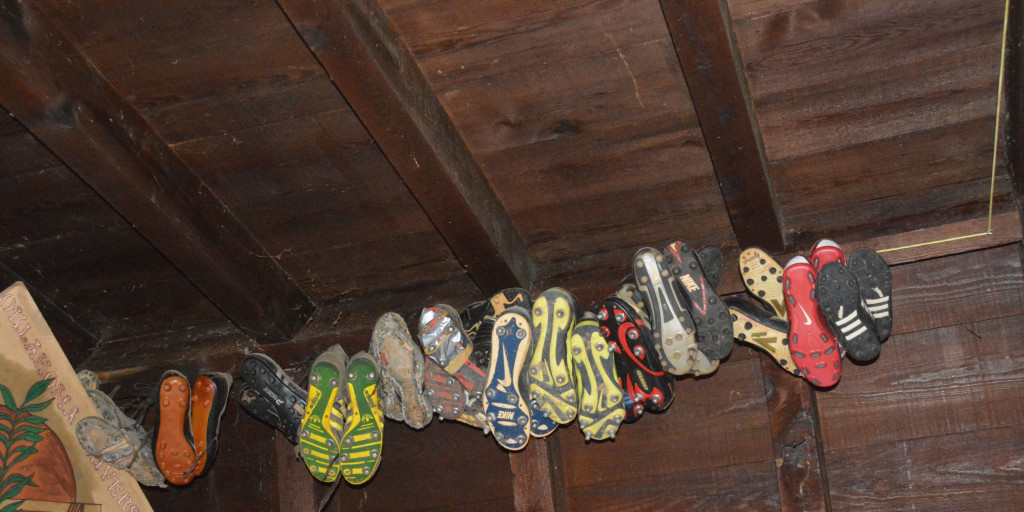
(811, 341)
(644, 381)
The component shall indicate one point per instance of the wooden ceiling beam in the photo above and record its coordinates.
(1013, 132)
(376, 72)
(711, 63)
(58, 94)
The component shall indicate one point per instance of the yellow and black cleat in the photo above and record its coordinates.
(551, 375)
(597, 386)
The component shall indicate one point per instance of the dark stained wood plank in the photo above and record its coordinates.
(316, 191)
(441, 467)
(975, 471)
(957, 289)
(749, 486)
(714, 422)
(563, 123)
(368, 60)
(1005, 231)
(799, 460)
(1013, 92)
(295, 488)
(76, 338)
(537, 476)
(949, 380)
(243, 477)
(709, 56)
(67, 103)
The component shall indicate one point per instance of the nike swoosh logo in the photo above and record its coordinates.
(507, 381)
(808, 317)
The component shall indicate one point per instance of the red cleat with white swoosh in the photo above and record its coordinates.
(811, 341)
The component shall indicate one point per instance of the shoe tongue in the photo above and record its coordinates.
(797, 260)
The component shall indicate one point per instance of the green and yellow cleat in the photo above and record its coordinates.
(364, 429)
(322, 422)
(597, 385)
(551, 375)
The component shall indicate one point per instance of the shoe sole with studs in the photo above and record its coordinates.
(551, 378)
(710, 314)
(446, 396)
(321, 423)
(671, 324)
(363, 437)
(401, 365)
(287, 399)
(597, 385)
(759, 328)
(875, 284)
(505, 407)
(839, 299)
(811, 341)
(762, 275)
(645, 383)
(173, 444)
(209, 400)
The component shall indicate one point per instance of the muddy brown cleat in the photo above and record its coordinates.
(446, 396)
(402, 368)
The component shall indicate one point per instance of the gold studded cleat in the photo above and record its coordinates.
(551, 375)
(671, 324)
(597, 386)
(757, 327)
(762, 275)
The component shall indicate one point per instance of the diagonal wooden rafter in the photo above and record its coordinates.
(373, 68)
(58, 94)
(711, 64)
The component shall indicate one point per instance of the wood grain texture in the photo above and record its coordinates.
(948, 380)
(799, 459)
(589, 141)
(854, 98)
(537, 476)
(977, 470)
(295, 487)
(714, 422)
(373, 68)
(1013, 91)
(68, 104)
(749, 486)
(703, 39)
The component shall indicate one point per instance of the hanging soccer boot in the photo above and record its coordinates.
(447, 344)
(362, 438)
(505, 406)
(710, 314)
(826, 251)
(839, 299)
(671, 324)
(209, 400)
(445, 394)
(173, 444)
(597, 385)
(402, 368)
(540, 425)
(645, 383)
(286, 399)
(759, 328)
(811, 342)
(712, 263)
(261, 408)
(875, 284)
(762, 276)
(322, 423)
(550, 373)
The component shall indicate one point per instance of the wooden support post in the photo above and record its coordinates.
(796, 439)
(374, 69)
(1013, 92)
(711, 64)
(537, 476)
(66, 102)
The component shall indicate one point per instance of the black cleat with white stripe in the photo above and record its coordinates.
(839, 298)
(875, 283)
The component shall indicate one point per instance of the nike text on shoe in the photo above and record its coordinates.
(811, 341)
(671, 325)
(710, 314)
(505, 407)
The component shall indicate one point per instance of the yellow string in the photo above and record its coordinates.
(995, 147)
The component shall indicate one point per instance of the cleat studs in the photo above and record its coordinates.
(620, 317)
(586, 436)
(490, 392)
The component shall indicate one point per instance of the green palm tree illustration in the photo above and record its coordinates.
(20, 431)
